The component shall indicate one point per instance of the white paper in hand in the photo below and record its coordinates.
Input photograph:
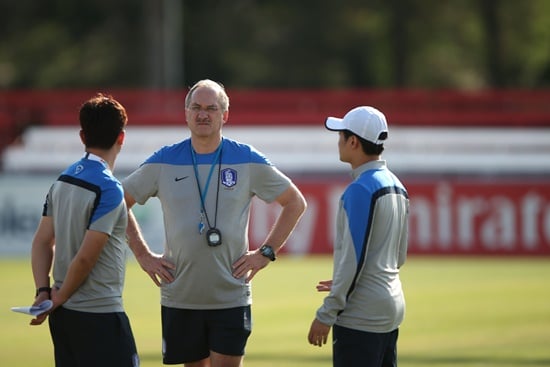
(34, 310)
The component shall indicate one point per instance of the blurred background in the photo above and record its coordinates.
(464, 85)
(457, 44)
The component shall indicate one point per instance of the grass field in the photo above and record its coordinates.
(460, 312)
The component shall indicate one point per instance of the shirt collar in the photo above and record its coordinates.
(372, 165)
(93, 157)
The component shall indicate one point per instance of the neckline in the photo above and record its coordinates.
(93, 157)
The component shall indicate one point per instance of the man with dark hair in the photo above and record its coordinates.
(365, 305)
(84, 219)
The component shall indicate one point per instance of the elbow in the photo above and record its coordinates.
(300, 205)
(293, 202)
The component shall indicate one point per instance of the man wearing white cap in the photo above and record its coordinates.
(365, 305)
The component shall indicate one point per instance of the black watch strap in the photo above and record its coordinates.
(43, 289)
(268, 252)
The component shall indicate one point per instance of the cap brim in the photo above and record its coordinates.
(334, 124)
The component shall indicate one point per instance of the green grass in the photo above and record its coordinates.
(460, 312)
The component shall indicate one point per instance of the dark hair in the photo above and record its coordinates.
(102, 119)
(368, 147)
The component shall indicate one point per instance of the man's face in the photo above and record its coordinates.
(204, 115)
(343, 147)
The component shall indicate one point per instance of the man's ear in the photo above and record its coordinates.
(225, 117)
(121, 137)
(353, 140)
(82, 137)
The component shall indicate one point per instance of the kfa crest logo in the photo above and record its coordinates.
(229, 177)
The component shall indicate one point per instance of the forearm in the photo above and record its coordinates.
(282, 228)
(153, 264)
(292, 210)
(136, 242)
(78, 271)
(41, 263)
(81, 265)
(42, 252)
(345, 269)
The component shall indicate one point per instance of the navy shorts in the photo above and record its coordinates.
(86, 339)
(190, 335)
(360, 348)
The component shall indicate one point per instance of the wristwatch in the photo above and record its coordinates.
(268, 252)
(42, 289)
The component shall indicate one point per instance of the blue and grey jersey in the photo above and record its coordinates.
(369, 249)
(229, 180)
(87, 196)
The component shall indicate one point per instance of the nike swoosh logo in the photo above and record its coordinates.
(180, 178)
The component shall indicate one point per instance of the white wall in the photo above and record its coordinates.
(313, 150)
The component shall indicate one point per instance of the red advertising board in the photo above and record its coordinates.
(470, 216)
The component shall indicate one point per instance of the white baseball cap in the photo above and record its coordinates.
(365, 121)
